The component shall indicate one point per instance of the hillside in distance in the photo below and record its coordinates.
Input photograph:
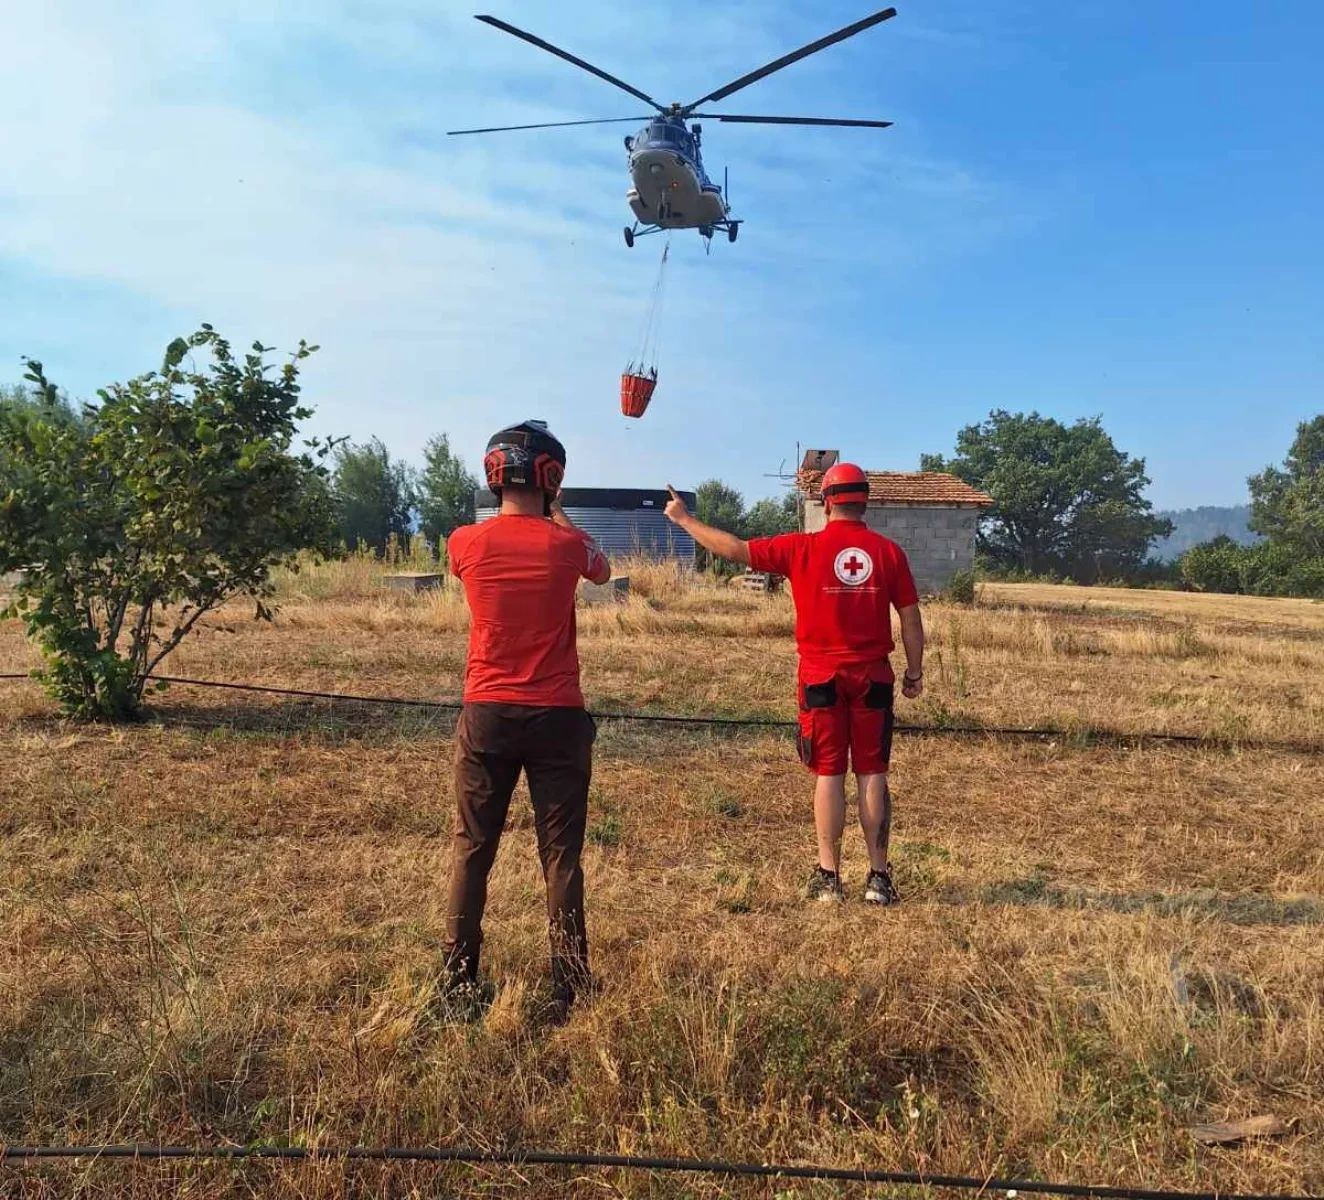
(1191, 526)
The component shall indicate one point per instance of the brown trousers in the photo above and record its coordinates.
(554, 747)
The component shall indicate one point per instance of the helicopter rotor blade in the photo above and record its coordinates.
(549, 125)
(846, 121)
(568, 57)
(795, 56)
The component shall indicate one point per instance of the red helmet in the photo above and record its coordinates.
(845, 484)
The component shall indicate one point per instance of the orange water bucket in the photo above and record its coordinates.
(636, 392)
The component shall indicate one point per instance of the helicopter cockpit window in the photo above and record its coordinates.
(669, 137)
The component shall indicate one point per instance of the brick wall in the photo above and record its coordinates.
(939, 540)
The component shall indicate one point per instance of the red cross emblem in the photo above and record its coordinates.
(853, 566)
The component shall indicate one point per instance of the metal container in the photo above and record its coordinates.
(625, 522)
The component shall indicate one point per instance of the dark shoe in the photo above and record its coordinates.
(572, 983)
(824, 885)
(560, 1000)
(459, 1002)
(879, 889)
(459, 969)
(458, 995)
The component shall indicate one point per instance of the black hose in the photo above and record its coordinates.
(1085, 734)
(700, 1166)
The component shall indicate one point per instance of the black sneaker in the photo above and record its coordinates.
(824, 885)
(879, 889)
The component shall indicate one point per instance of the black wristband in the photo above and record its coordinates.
(909, 678)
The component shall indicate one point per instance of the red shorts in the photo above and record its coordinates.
(846, 716)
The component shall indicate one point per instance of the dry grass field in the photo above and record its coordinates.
(222, 926)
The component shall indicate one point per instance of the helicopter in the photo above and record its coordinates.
(669, 187)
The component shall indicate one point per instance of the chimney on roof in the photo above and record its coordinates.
(820, 460)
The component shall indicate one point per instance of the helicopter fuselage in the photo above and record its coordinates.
(670, 189)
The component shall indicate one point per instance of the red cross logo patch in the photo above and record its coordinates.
(853, 566)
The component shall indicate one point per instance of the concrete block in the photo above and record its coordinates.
(413, 581)
(614, 591)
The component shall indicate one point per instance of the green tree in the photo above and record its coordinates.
(374, 496)
(20, 405)
(176, 493)
(17, 402)
(769, 517)
(445, 491)
(718, 504)
(1213, 566)
(1287, 503)
(1066, 499)
(1277, 569)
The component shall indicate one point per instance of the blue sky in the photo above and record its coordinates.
(1083, 208)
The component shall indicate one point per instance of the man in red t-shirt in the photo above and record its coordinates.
(523, 709)
(845, 581)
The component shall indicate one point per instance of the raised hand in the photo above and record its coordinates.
(676, 510)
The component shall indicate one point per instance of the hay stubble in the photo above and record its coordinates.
(222, 926)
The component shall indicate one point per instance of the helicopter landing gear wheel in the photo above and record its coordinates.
(732, 232)
(629, 236)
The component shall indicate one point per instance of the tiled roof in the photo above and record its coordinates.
(906, 487)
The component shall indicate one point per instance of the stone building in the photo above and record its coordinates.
(931, 515)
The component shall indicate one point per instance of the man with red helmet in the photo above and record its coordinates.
(523, 708)
(845, 581)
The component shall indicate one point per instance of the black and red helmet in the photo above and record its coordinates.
(845, 483)
(526, 455)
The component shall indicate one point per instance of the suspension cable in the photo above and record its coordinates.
(652, 336)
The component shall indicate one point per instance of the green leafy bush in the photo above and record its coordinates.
(178, 491)
(1213, 566)
(1265, 569)
(960, 588)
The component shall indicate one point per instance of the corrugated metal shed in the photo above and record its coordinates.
(623, 521)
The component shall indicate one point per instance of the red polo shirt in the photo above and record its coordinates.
(520, 576)
(845, 580)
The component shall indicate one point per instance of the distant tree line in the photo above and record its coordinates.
(378, 499)
(1069, 505)
(1287, 510)
(1194, 526)
(130, 518)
